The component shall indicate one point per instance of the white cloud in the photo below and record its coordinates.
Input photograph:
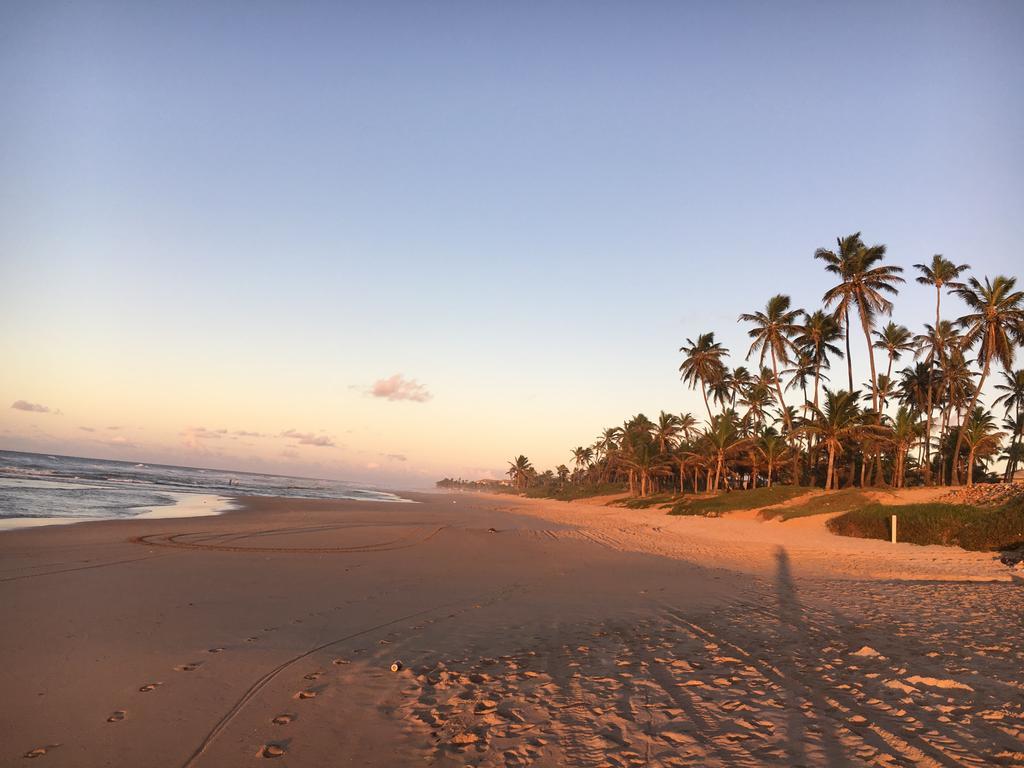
(399, 388)
(309, 438)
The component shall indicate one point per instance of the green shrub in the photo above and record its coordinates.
(975, 528)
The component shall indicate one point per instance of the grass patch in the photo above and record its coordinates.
(719, 504)
(570, 492)
(837, 501)
(645, 502)
(975, 528)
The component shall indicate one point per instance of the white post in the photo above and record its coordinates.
(894, 529)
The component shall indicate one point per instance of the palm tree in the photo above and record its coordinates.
(981, 438)
(581, 457)
(864, 280)
(772, 335)
(996, 324)
(840, 262)
(773, 449)
(519, 470)
(563, 473)
(687, 425)
(1012, 399)
(817, 336)
(666, 430)
(723, 438)
(941, 273)
(895, 340)
(905, 431)
(703, 363)
(837, 420)
(640, 455)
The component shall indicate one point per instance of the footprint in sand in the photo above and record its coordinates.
(313, 676)
(339, 662)
(192, 666)
(149, 687)
(251, 639)
(283, 719)
(272, 750)
(117, 716)
(309, 693)
(215, 650)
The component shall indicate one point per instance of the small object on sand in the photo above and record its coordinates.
(396, 665)
(492, 530)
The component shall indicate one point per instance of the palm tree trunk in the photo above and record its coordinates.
(871, 356)
(970, 468)
(966, 423)
(846, 326)
(831, 463)
(704, 391)
(770, 467)
(931, 386)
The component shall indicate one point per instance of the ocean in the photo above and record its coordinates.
(40, 489)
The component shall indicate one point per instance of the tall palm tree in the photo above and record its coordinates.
(772, 334)
(817, 335)
(941, 273)
(703, 363)
(864, 281)
(996, 325)
(687, 425)
(840, 262)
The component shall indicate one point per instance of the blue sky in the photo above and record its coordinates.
(242, 215)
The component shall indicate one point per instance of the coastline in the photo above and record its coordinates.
(529, 633)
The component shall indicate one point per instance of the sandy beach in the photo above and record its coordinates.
(570, 634)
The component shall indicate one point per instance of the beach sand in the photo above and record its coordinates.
(571, 634)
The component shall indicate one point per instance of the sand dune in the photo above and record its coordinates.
(571, 635)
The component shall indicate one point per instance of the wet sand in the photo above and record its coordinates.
(569, 635)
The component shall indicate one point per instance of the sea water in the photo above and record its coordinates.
(40, 489)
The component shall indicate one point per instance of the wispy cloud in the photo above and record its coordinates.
(395, 456)
(25, 405)
(87, 429)
(309, 438)
(398, 387)
(246, 433)
(191, 436)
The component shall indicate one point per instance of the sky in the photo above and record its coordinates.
(391, 242)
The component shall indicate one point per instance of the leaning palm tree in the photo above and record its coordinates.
(996, 325)
(864, 281)
(981, 438)
(941, 273)
(703, 363)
